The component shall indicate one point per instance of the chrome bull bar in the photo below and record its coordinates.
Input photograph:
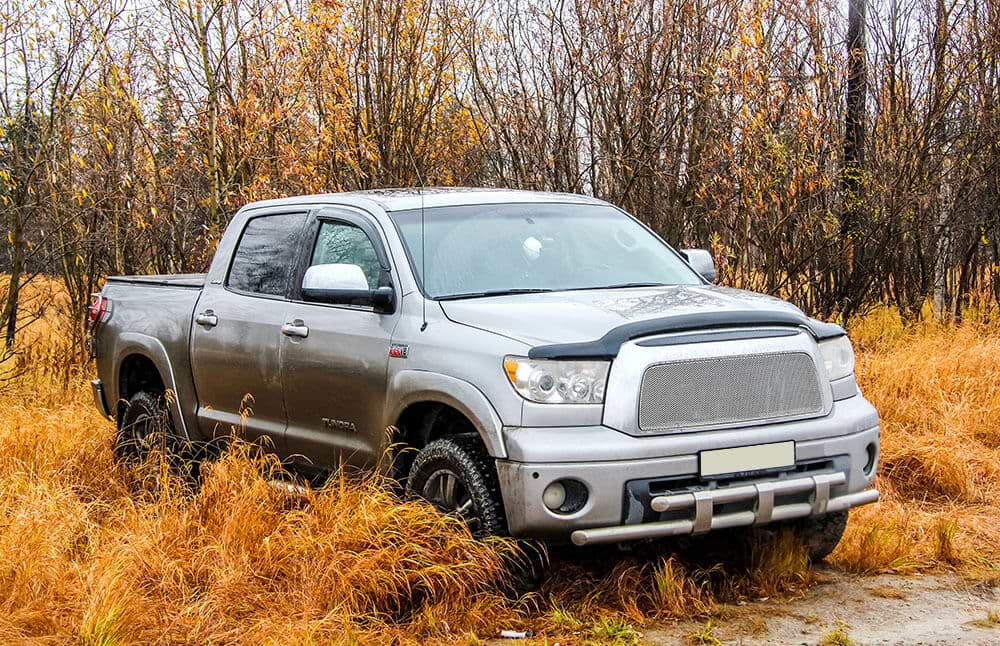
(765, 510)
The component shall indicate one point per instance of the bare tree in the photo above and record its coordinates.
(129, 138)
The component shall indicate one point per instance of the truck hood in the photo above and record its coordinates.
(580, 316)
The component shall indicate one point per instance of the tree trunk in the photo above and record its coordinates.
(14, 286)
(855, 269)
(854, 130)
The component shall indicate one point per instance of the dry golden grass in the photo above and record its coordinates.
(837, 637)
(937, 390)
(992, 620)
(886, 592)
(86, 556)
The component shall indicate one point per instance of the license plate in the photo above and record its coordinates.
(741, 459)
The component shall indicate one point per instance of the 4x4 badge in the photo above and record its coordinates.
(399, 350)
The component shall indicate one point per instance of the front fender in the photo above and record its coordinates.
(130, 343)
(413, 386)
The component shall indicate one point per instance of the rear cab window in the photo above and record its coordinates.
(265, 256)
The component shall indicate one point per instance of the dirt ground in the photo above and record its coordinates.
(888, 609)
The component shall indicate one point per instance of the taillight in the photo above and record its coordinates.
(97, 310)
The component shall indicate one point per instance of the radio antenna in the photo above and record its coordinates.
(423, 247)
(423, 256)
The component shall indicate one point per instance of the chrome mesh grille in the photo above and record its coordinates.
(728, 390)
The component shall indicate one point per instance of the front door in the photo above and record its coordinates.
(334, 362)
(235, 337)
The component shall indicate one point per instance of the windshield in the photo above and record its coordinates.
(483, 249)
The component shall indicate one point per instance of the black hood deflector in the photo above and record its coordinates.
(608, 345)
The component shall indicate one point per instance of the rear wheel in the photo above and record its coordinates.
(145, 430)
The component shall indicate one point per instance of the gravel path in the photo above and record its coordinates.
(917, 609)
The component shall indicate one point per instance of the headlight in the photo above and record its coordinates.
(558, 382)
(838, 355)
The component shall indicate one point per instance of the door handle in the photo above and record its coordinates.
(296, 328)
(207, 319)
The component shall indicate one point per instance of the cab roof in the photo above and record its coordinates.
(402, 199)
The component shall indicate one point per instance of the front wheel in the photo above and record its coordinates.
(821, 534)
(456, 475)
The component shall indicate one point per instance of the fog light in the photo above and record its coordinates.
(565, 496)
(554, 495)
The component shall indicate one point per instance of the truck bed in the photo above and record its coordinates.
(190, 281)
(150, 316)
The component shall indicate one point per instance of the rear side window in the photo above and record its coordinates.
(264, 258)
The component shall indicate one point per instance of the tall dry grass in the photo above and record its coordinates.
(937, 390)
(87, 556)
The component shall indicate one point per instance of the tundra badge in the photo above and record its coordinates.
(339, 425)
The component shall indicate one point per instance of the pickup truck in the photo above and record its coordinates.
(553, 369)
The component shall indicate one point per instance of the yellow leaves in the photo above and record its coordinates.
(80, 195)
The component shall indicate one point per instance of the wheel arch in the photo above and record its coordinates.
(414, 393)
(143, 363)
(137, 372)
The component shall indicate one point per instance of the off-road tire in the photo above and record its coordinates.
(821, 534)
(465, 456)
(145, 427)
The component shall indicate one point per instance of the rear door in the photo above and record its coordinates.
(236, 333)
(335, 376)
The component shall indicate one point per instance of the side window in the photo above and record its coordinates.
(265, 254)
(340, 242)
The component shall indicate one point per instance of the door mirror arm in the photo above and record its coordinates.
(384, 299)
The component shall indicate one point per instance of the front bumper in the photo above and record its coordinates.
(762, 494)
(636, 498)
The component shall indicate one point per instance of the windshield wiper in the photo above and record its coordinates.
(617, 286)
(494, 292)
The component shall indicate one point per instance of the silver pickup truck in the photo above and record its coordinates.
(554, 368)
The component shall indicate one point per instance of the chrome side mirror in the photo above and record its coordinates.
(345, 284)
(334, 276)
(702, 262)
